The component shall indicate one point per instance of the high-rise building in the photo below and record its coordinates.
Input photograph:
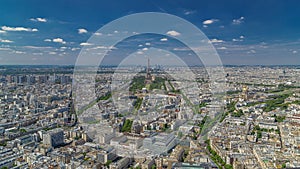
(54, 138)
(148, 77)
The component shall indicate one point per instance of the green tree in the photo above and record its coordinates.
(127, 125)
(108, 163)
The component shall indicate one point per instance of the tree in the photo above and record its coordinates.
(23, 131)
(283, 165)
(108, 163)
(127, 125)
(228, 166)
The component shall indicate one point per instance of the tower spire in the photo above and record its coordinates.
(148, 66)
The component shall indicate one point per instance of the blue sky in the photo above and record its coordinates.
(243, 32)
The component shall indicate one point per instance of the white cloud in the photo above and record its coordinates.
(85, 44)
(6, 41)
(98, 47)
(19, 52)
(48, 40)
(38, 54)
(7, 28)
(251, 51)
(38, 47)
(140, 52)
(98, 34)
(237, 40)
(82, 30)
(74, 49)
(2, 31)
(6, 49)
(294, 52)
(163, 39)
(238, 21)
(205, 26)
(173, 33)
(38, 19)
(59, 40)
(189, 12)
(147, 44)
(216, 41)
(222, 48)
(52, 53)
(240, 39)
(209, 21)
(144, 49)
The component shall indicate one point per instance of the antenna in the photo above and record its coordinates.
(148, 66)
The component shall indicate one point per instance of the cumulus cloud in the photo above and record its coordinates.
(7, 28)
(222, 48)
(58, 40)
(2, 31)
(216, 41)
(240, 39)
(173, 33)
(6, 49)
(48, 40)
(98, 34)
(85, 44)
(147, 44)
(163, 39)
(251, 51)
(38, 19)
(74, 49)
(38, 47)
(19, 52)
(237, 40)
(82, 30)
(209, 21)
(40, 54)
(144, 49)
(6, 41)
(238, 21)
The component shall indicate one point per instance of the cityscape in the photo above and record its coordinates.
(149, 85)
(258, 127)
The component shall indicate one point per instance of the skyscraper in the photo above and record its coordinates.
(54, 138)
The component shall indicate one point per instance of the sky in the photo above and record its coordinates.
(257, 32)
